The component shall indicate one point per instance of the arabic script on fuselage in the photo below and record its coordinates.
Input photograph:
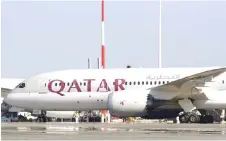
(157, 77)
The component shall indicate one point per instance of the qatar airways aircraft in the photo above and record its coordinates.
(134, 92)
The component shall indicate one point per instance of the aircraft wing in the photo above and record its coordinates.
(172, 89)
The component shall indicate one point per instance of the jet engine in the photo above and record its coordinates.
(132, 103)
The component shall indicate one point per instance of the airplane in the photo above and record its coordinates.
(8, 84)
(134, 92)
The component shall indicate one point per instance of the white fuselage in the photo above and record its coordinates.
(72, 90)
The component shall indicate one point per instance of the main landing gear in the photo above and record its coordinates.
(192, 115)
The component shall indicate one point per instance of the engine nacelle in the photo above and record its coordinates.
(128, 103)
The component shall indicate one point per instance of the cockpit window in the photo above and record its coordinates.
(21, 85)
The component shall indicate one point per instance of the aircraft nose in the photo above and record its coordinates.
(7, 99)
(10, 99)
(20, 100)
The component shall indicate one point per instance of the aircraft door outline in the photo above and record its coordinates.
(42, 89)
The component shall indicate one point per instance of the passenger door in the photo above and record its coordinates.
(42, 87)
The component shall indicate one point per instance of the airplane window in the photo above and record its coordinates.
(68, 83)
(155, 82)
(222, 81)
(80, 83)
(146, 82)
(125, 83)
(130, 83)
(159, 82)
(21, 85)
(84, 83)
(163, 82)
(45, 84)
(138, 83)
(55, 84)
(151, 82)
(134, 83)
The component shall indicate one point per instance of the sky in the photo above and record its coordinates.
(46, 36)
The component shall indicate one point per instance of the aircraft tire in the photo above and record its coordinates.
(194, 118)
(183, 118)
(208, 119)
(44, 119)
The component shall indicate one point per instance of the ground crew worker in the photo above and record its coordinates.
(76, 116)
(132, 119)
(25, 115)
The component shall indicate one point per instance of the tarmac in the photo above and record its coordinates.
(111, 131)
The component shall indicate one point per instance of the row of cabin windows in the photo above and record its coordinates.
(132, 83)
(22, 85)
(126, 83)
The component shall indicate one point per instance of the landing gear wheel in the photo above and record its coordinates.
(208, 119)
(41, 118)
(44, 118)
(183, 118)
(194, 118)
